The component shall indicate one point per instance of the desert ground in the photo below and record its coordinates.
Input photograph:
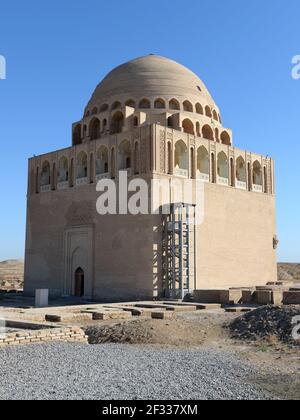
(288, 272)
(11, 274)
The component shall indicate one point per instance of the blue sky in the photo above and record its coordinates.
(57, 51)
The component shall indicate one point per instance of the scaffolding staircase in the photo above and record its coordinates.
(179, 250)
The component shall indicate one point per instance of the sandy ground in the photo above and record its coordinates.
(11, 274)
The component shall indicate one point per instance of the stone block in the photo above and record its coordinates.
(277, 297)
(107, 315)
(162, 315)
(209, 306)
(263, 297)
(207, 296)
(68, 317)
(231, 297)
(41, 298)
(53, 318)
(247, 296)
(239, 309)
(291, 298)
(268, 297)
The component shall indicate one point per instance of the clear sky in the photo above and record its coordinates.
(57, 51)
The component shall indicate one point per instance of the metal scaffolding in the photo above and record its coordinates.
(179, 250)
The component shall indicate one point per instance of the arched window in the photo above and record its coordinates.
(95, 129)
(124, 157)
(102, 161)
(202, 163)
(207, 132)
(192, 162)
(87, 113)
(169, 158)
(84, 130)
(174, 105)
(54, 177)
(63, 170)
(181, 156)
(241, 175)
(232, 173)
(77, 135)
(46, 174)
(265, 181)
(116, 105)
(113, 163)
(104, 125)
(159, 104)
(92, 168)
(71, 182)
(188, 126)
(198, 129)
(136, 158)
(95, 111)
(82, 169)
(117, 123)
(225, 138)
(104, 108)
(208, 111)
(199, 109)
(215, 115)
(145, 104)
(223, 166)
(170, 122)
(249, 177)
(217, 135)
(213, 168)
(130, 103)
(135, 121)
(188, 107)
(257, 174)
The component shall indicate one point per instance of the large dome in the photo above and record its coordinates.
(150, 76)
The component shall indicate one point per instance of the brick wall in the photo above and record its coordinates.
(68, 334)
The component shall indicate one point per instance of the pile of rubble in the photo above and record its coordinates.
(276, 322)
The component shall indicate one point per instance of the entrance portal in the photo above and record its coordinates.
(79, 282)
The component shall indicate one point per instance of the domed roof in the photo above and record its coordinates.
(151, 76)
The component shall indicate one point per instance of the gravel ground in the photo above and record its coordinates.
(112, 371)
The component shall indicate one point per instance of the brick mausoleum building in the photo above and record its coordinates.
(153, 118)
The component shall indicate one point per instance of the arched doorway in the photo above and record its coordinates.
(79, 283)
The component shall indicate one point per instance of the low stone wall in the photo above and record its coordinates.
(70, 334)
(291, 298)
(261, 295)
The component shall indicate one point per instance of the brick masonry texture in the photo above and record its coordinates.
(69, 334)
